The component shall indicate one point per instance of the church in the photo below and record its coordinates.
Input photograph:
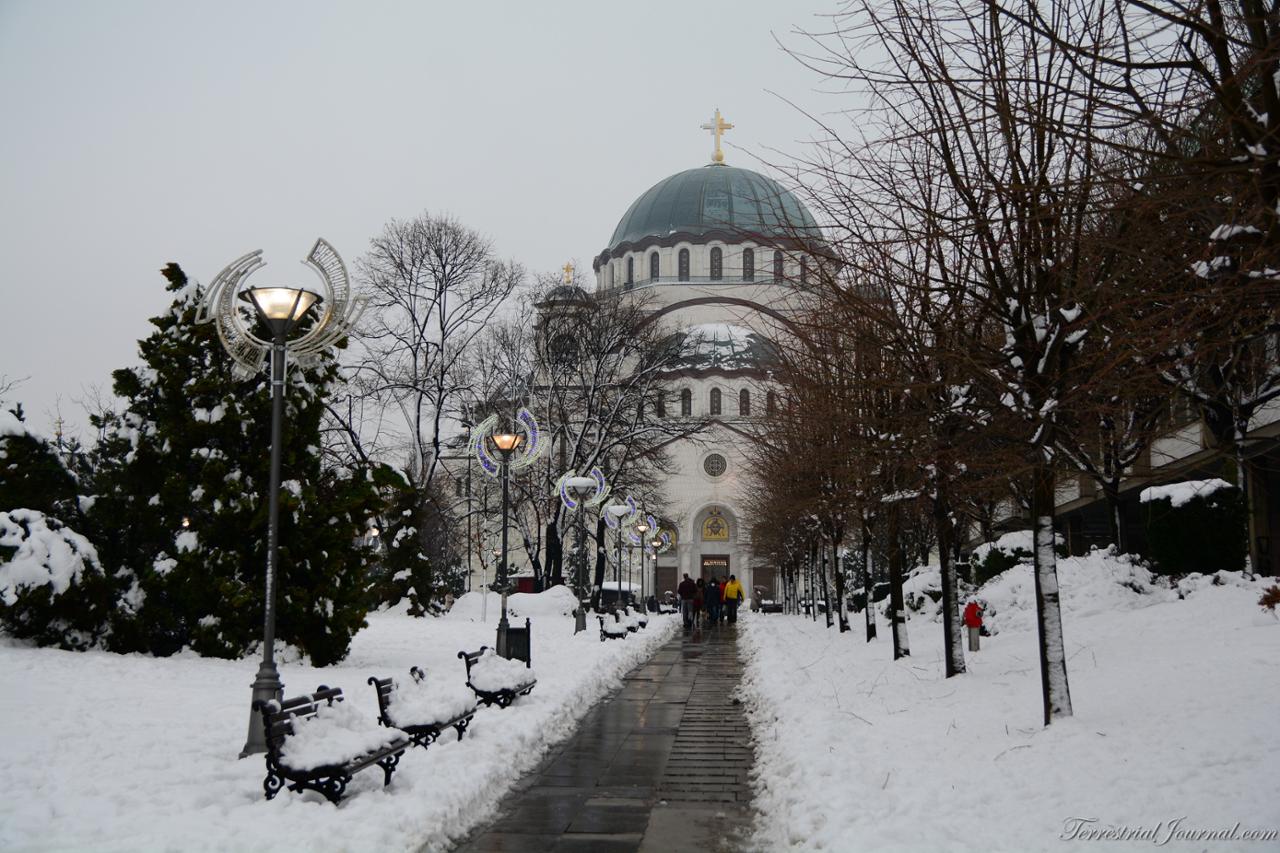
(715, 252)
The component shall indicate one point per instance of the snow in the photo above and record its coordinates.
(492, 673)
(11, 426)
(336, 734)
(108, 752)
(556, 601)
(1179, 493)
(1174, 719)
(414, 704)
(41, 555)
(1010, 543)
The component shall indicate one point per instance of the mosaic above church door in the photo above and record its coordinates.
(715, 528)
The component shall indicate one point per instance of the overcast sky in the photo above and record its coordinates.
(138, 133)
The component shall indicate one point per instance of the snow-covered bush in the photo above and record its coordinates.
(993, 558)
(52, 587)
(1195, 526)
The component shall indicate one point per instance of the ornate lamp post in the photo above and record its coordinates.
(641, 528)
(485, 442)
(279, 310)
(578, 493)
(617, 516)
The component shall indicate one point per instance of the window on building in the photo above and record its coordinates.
(717, 263)
(660, 402)
(715, 401)
(748, 265)
(804, 270)
(457, 488)
(770, 403)
(744, 402)
(777, 266)
(684, 264)
(610, 275)
(653, 265)
(564, 452)
(686, 403)
(631, 271)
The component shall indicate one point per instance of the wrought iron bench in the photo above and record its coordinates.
(422, 734)
(330, 780)
(504, 697)
(618, 632)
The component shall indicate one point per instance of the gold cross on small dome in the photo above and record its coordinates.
(717, 126)
(568, 273)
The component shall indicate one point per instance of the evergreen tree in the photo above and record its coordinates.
(32, 474)
(179, 486)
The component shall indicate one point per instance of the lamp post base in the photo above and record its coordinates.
(579, 619)
(266, 686)
(501, 642)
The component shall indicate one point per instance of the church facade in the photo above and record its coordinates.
(715, 252)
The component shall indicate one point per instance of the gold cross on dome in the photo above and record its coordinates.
(717, 126)
(568, 273)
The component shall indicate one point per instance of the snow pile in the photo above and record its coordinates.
(417, 704)
(556, 601)
(469, 607)
(1180, 493)
(1013, 544)
(335, 734)
(42, 555)
(1097, 582)
(1175, 719)
(492, 673)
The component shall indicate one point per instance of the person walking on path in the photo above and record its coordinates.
(733, 597)
(713, 600)
(686, 591)
(699, 601)
(973, 621)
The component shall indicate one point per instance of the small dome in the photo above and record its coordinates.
(565, 293)
(714, 201)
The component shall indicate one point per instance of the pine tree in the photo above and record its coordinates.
(179, 480)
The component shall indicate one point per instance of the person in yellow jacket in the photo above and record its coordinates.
(733, 597)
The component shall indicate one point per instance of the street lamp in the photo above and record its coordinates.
(618, 512)
(505, 443)
(579, 493)
(642, 528)
(279, 309)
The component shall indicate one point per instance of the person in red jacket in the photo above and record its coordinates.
(973, 621)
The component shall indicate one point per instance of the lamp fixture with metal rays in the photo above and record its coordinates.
(580, 493)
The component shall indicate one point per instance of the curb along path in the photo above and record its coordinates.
(661, 765)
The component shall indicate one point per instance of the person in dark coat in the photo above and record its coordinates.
(699, 601)
(687, 590)
(712, 595)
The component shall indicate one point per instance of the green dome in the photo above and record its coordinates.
(714, 202)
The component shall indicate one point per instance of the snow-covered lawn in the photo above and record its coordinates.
(1177, 716)
(106, 752)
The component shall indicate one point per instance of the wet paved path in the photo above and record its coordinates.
(661, 765)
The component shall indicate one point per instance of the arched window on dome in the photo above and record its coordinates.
(631, 271)
(804, 270)
(717, 263)
(744, 402)
(770, 403)
(653, 265)
(684, 264)
(715, 401)
(748, 265)
(686, 403)
(778, 272)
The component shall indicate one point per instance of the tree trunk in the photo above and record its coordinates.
(954, 655)
(597, 584)
(820, 560)
(897, 606)
(1053, 658)
(842, 607)
(869, 582)
(1242, 480)
(1115, 514)
(555, 554)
